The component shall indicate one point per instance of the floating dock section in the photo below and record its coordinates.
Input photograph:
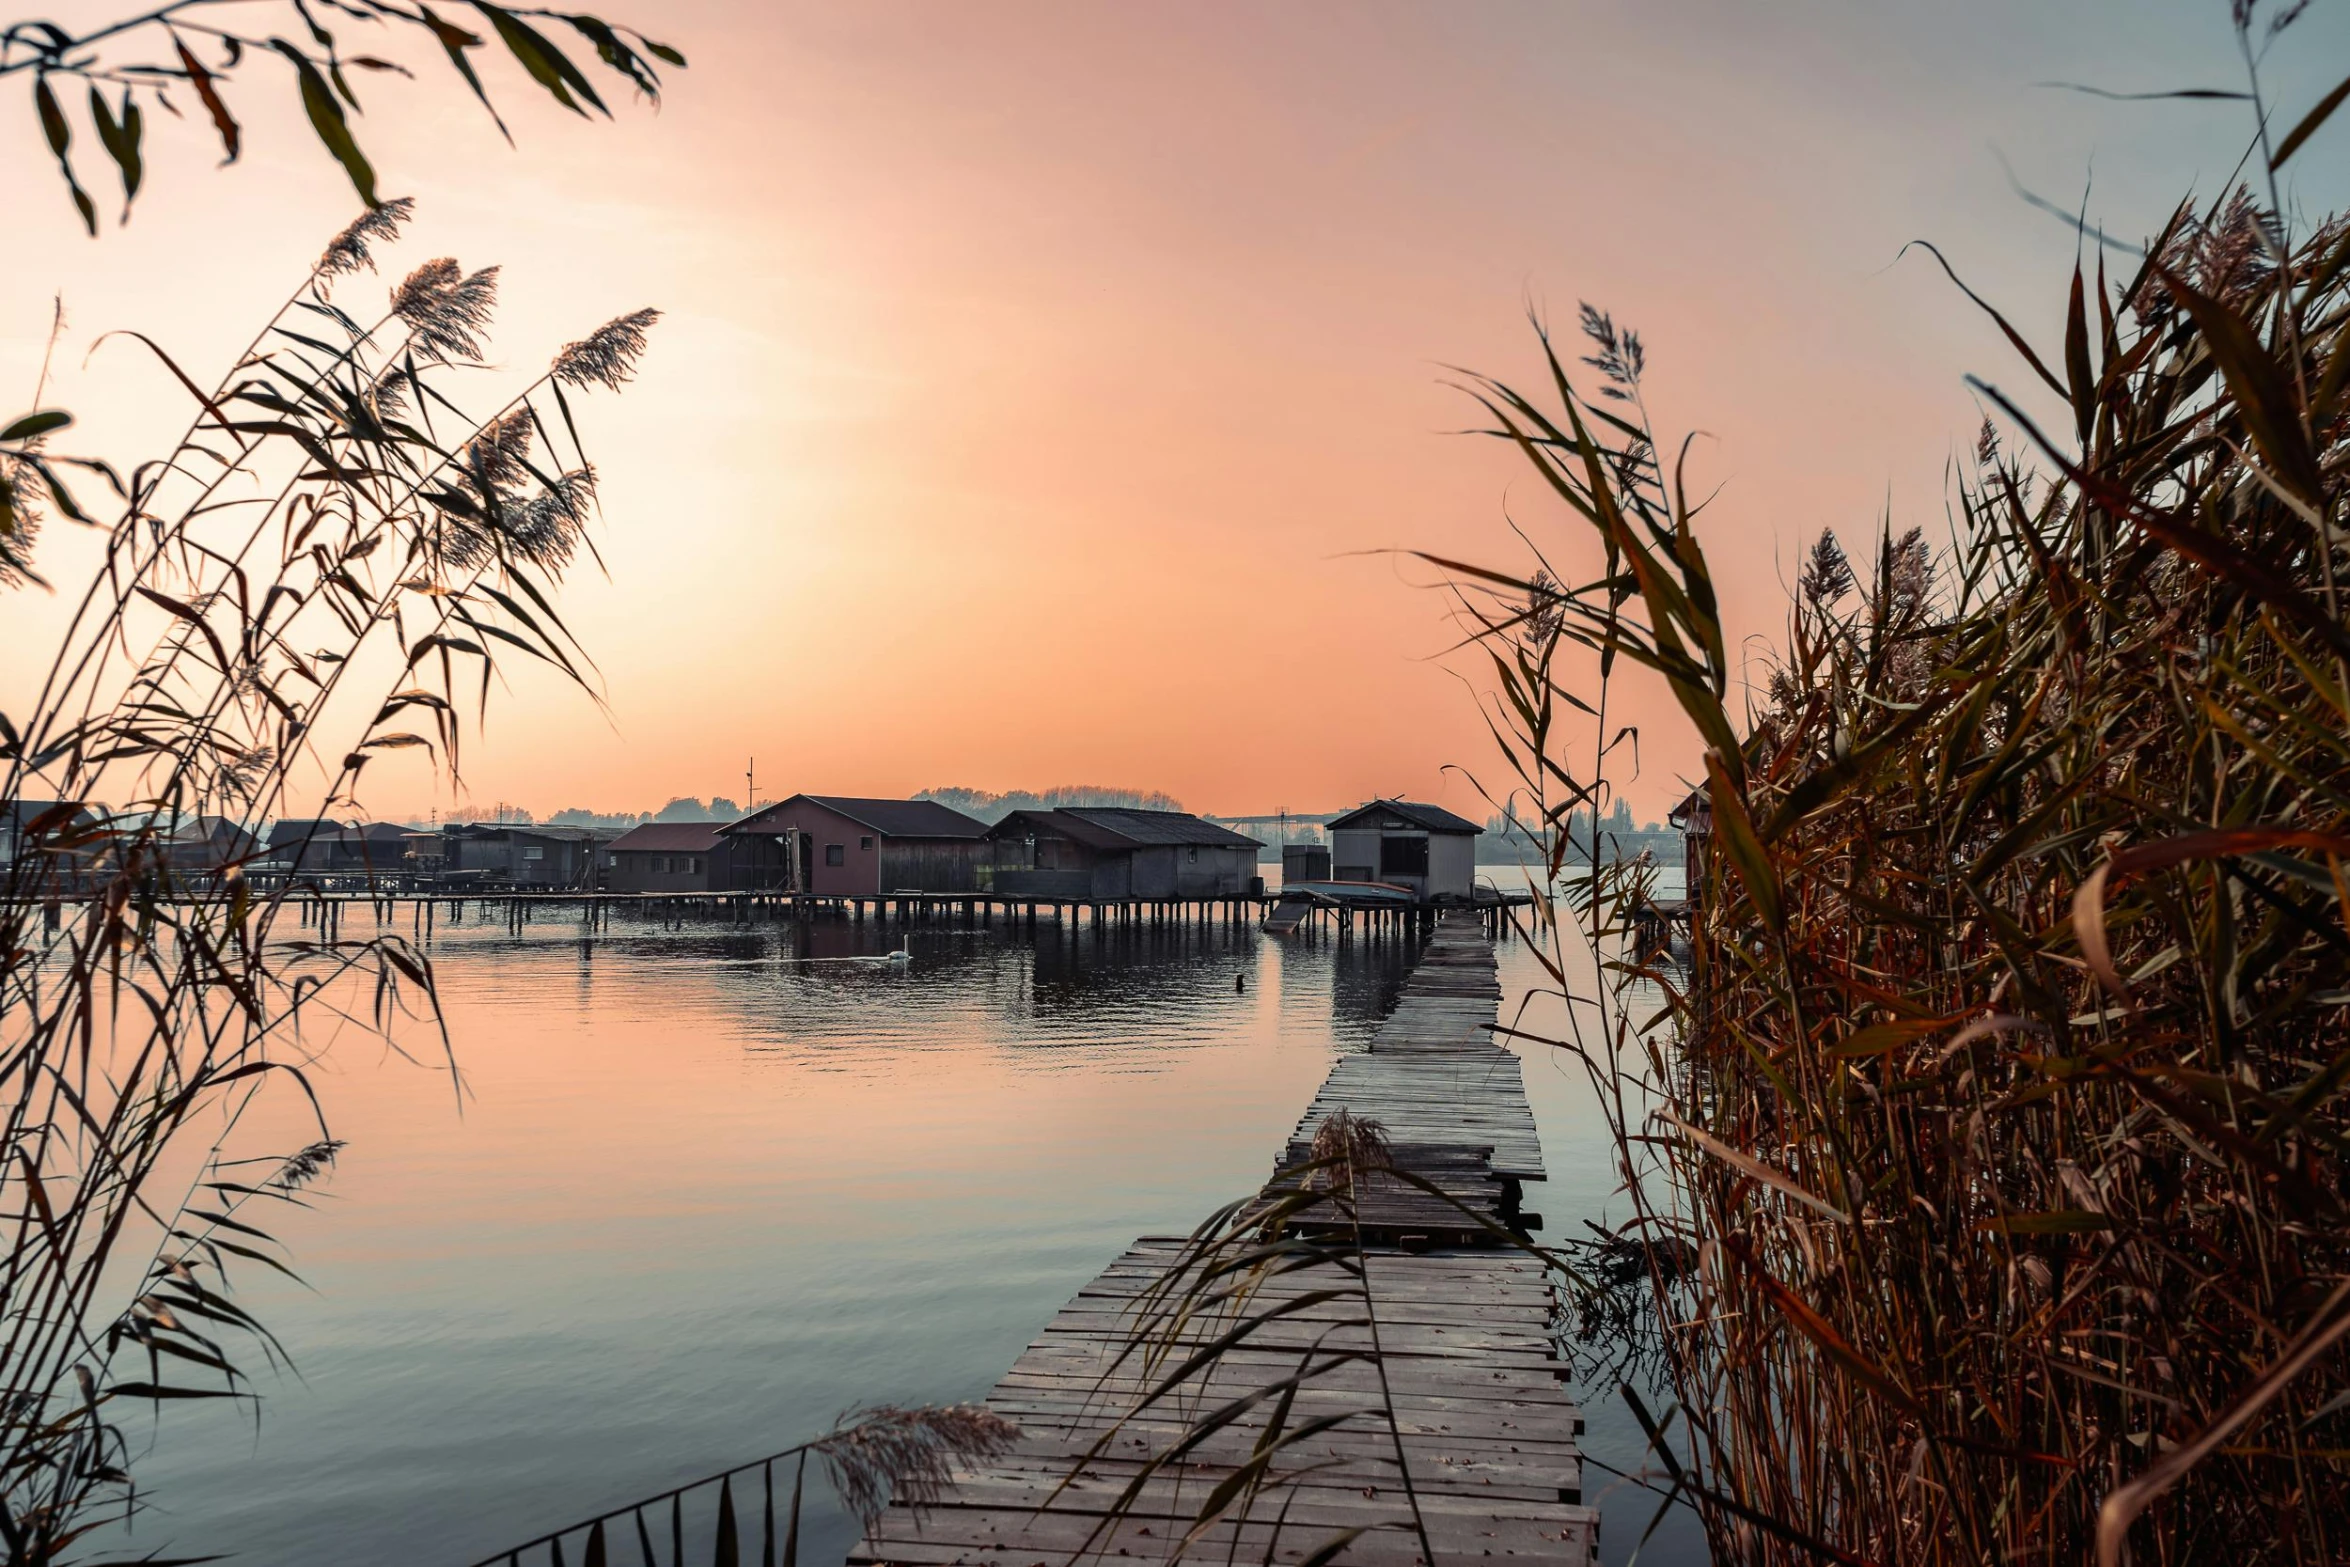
(1479, 1461)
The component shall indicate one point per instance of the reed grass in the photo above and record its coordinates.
(208, 50)
(2002, 1100)
(301, 584)
(328, 566)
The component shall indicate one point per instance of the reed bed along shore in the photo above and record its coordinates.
(1989, 1156)
(324, 569)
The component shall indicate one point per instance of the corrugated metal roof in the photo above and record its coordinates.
(671, 838)
(1434, 818)
(1159, 827)
(1018, 823)
(904, 818)
(520, 829)
(20, 812)
(890, 818)
(1112, 827)
(306, 829)
(566, 834)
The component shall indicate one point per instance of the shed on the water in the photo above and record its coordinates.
(673, 857)
(512, 854)
(1100, 854)
(1695, 817)
(1422, 848)
(848, 846)
(208, 845)
(50, 845)
(320, 846)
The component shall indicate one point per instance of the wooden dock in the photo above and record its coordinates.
(1432, 1354)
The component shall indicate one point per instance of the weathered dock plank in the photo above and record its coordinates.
(1453, 1429)
(1433, 1073)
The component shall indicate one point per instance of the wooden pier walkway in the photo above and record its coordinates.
(1453, 1333)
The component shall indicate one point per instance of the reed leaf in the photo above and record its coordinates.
(2002, 1070)
(153, 981)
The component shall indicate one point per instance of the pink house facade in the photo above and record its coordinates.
(847, 846)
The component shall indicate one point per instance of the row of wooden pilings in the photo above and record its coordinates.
(324, 913)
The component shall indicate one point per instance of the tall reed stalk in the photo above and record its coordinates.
(2002, 1101)
(327, 567)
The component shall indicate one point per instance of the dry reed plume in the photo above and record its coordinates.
(2003, 1101)
(326, 568)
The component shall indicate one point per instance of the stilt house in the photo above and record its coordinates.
(519, 855)
(1695, 817)
(51, 845)
(847, 846)
(1424, 849)
(208, 845)
(1102, 855)
(315, 847)
(674, 857)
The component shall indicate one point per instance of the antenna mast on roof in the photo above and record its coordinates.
(751, 785)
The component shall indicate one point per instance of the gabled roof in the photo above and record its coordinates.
(195, 828)
(1018, 824)
(20, 814)
(524, 829)
(890, 818)
(1114, 827)
(1159, 826)
(213, 832)
(559, 834)
(1432, 818)
(672, 838)
(297, 829)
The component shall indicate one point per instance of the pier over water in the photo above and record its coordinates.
(1406, 1398)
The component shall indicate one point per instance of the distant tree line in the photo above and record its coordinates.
(1620, 837)
(681, 808)
(989, 807)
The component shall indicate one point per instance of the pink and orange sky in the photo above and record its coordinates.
(1033, 373)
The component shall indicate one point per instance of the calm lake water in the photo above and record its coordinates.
(706, 1187)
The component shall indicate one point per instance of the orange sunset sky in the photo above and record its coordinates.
(1031, 371)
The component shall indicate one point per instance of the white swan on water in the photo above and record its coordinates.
(900, 956)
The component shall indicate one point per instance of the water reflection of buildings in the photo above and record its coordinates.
(1082, 980)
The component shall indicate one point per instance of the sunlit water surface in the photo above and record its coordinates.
(708, 1186)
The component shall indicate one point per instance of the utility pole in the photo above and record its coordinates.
(751, 785)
